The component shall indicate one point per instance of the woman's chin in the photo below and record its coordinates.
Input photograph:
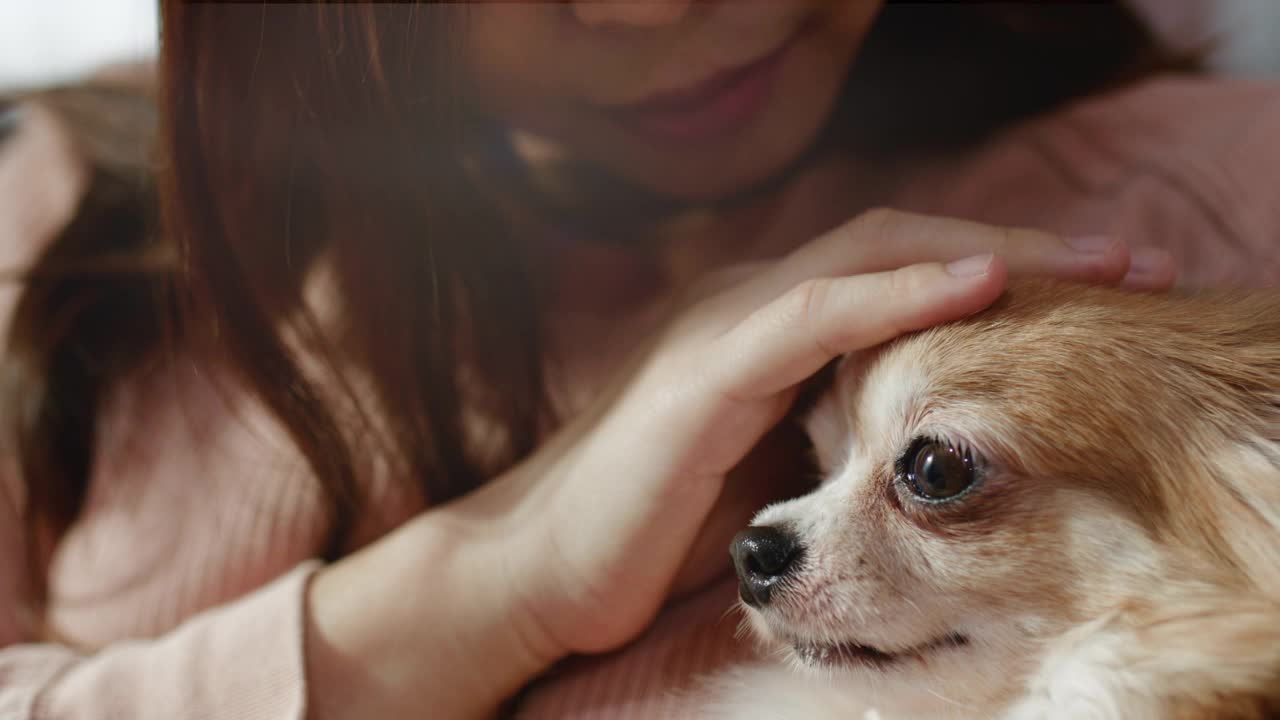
(718, 167)
(715, 179)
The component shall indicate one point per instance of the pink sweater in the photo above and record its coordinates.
(179, 592)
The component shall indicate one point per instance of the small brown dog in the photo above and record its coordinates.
(1067, 506)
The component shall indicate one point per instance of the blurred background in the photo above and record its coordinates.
(49, 41)
(58, 40)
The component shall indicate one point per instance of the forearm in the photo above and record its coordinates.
(421, 623)
(239, 661)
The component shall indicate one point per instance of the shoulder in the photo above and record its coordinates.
(1183, 117)
(1206, 154)
(1187, 163)
(42, 178)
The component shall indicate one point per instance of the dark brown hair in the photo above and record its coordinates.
(92, 309)
(301, 137)
(293, 131)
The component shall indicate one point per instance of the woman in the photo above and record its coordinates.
(482, 311)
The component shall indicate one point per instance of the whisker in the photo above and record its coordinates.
(948, 700)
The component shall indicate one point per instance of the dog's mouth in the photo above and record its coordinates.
(851, 654)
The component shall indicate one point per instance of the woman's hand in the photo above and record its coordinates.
(612, 524)
(575, 549)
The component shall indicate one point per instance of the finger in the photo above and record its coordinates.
(881, 240)
(791, 338)
(717, 281)
(1150, 269)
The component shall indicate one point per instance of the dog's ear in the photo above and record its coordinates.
(1192, 650)
(1271, 428)
(1248, 511)
(1233, 342)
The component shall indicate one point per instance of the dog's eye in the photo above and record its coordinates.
(937, 470)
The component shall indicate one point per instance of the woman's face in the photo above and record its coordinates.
(688, 99)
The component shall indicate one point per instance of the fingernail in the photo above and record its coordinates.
(1090, 244)
(970, 266)
(8, 119)
(1146, 262)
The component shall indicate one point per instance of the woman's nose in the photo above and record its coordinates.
(637, 13)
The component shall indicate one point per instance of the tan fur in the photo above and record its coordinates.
(1121, 555)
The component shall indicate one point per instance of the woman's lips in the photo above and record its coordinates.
(714, 108)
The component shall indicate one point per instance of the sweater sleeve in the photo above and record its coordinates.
(240, 661)
(243, 660)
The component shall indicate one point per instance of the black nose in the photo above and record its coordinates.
(762, 556)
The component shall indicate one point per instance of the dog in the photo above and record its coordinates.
(1066, 506)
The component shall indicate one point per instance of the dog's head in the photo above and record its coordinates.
(991, 483)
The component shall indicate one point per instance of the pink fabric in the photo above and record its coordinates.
(179, 593)
(1189, 165)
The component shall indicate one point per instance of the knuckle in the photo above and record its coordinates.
(806, 300)
(867, 226)
(723, 279)
(811, 297)
(1014, 239)
(877, 222)
(904, 283)
(1006, 238)
(709, 284)
(809, 305)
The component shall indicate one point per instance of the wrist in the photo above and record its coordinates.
(424, 621)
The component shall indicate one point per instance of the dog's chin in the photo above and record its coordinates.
(820, 651)
(857, 656)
